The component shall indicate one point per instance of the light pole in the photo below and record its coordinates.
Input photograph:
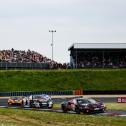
(52, 31)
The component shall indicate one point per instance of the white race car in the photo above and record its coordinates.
(38, 101)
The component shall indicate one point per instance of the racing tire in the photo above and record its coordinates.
(77, 110)
(102, 111)
(31, 105)
(9, 105)
(50, 107)
(88, 111)
(22, 104)
(64, 110)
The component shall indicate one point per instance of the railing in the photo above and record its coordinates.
(6, 65)
(109, 92)
(26, 93)
(67, 92)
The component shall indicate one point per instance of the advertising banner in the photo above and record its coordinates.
(121, 100)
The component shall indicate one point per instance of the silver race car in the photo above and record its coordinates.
(38, 101)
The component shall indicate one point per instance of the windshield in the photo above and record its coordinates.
(82, 101)
(14, 97)
(92, 101)
(40, 96)
(86, 101)
(37, 96)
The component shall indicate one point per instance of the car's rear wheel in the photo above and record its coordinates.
(77, 110)
(32, 105)
(22, 104)
(87, 111)
(9, 104)
(64, 109)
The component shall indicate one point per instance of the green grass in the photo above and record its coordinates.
(116, 106)
(87, 79)
(16, 117)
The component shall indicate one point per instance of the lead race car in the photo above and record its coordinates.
(38, 101)
(15, 101)
(85, 105)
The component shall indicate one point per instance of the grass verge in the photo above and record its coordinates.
(37, 80)
(14, 117)
(116, 106)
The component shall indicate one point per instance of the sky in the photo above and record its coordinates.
(25, 24)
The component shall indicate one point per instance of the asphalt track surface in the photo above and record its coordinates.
(58, 100)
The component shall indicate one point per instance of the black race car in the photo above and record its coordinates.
(85, 105)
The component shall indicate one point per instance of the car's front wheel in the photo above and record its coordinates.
(50, 107)
(102, 110)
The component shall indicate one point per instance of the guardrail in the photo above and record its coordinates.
(26, 93)
(98, 92)
(67, 92)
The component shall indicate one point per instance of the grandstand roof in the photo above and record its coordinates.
(98, 46)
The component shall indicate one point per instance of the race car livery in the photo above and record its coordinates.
(15, 101)
(85, 105)
(39, 101)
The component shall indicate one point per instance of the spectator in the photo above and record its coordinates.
(22, 56)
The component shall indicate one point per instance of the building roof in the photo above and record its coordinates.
(98, 46)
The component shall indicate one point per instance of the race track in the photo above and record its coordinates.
(3, 104)
(58, 100)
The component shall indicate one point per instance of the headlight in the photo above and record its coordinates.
(102, 105)
(50, 102)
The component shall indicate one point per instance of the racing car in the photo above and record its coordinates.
(15, 101)
(38, 101)
(85, 105)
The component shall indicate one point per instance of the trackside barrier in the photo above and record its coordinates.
(67, 92)
(78, 92)
(108, 92)
(26, 93)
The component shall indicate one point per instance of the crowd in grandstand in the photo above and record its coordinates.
(87, 60)
(21, 56)
(99, 62)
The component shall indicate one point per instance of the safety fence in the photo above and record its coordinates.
(26, 93)
(6, 65)
(67, 92)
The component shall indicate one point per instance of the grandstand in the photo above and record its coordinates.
(98, 55)
(21, 59)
